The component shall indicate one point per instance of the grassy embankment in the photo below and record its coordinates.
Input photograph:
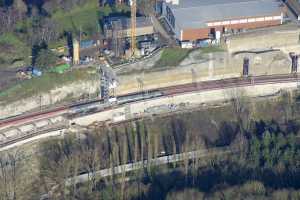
(44, 84)
(173, 56)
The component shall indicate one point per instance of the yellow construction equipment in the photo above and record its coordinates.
(133, 27)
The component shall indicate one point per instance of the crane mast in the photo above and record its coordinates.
(133, 27)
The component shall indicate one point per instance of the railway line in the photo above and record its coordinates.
(150, 94)
(28, 136)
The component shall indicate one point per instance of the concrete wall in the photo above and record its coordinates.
(139, 108)
(264, 39)
(203, 33)
(74, 90)
(205, 66)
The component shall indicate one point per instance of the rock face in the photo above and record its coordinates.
(74, 90)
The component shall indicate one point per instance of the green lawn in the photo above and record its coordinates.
(45, 83)
(172, 57)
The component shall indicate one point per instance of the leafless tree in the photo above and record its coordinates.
(8, 18)
(241, 110)
(10, 175)
(124, 161)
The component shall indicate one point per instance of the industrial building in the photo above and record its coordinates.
(193, 20)
(121, 27)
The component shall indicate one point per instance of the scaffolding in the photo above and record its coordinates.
(108, 83)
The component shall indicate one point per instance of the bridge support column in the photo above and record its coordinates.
(294, 58)
(246, 67)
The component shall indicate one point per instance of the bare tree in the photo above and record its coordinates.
(124, 161)
(10, 175)
(8, 18)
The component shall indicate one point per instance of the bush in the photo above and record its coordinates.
(187, 194)
(45, 59)
(253, 188)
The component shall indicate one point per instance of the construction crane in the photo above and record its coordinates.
(133, 27)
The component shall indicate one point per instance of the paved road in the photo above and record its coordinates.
(144, 164)
(153, 162)
(52, 132)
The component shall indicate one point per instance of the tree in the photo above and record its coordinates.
(6, 3)
(10, 175)
(191, 194)
(45, 59)
(20, 6)
(106, 10)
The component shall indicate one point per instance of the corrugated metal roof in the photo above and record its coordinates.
(196, 13)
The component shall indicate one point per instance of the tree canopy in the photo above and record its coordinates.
(45, 59)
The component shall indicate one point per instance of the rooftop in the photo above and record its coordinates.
(196, 13)
(126, 21)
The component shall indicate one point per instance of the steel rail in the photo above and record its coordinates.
(167, 91)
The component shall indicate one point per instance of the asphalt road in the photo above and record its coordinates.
(153, 162)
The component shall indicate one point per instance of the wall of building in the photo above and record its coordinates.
(195, 34)
(146, 30)
(170, 19)
(203, 33)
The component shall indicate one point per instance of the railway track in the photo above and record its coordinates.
(166, 91)
(28, 136)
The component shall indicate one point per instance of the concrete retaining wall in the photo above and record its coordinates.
(264, 39)
(139, 108)
(74, 90)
